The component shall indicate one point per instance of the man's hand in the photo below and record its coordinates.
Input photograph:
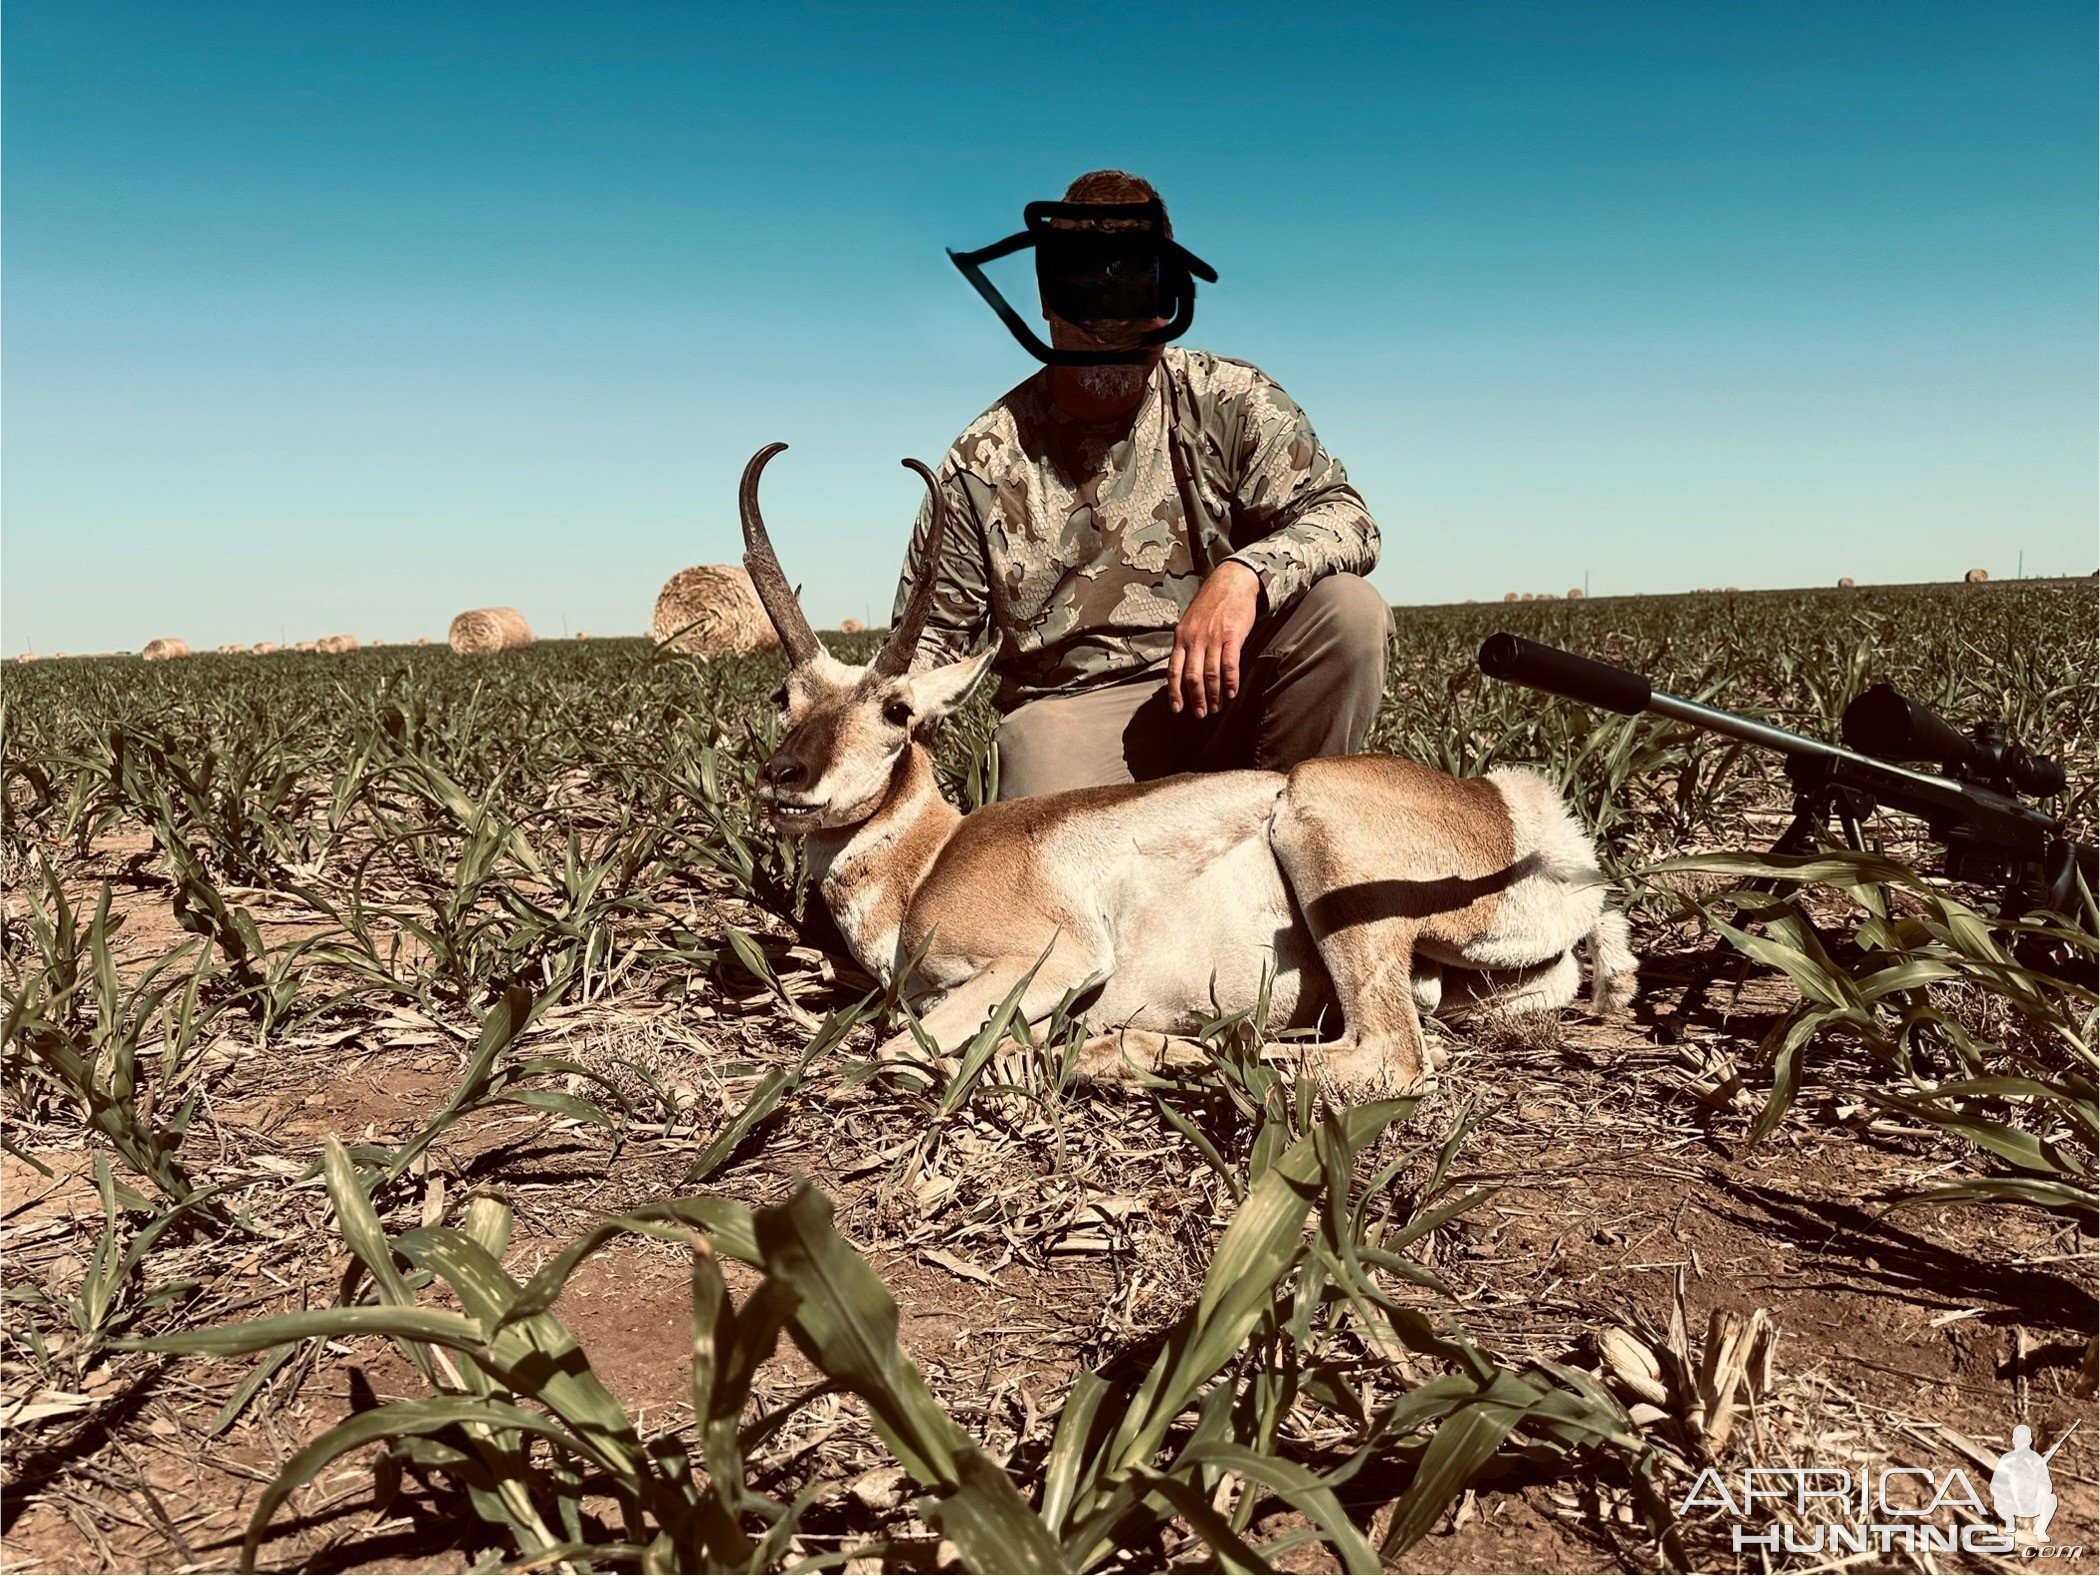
(1204, 671)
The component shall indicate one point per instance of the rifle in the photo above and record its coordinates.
(1970, 805)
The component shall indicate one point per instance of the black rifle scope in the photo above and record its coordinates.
(1887, 724)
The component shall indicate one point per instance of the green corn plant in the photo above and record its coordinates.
(2027, 1097)
(521, 1422)
(75, 1028)
(494, 1078)
(112, 1293)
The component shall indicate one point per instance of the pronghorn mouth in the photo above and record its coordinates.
(795, 810)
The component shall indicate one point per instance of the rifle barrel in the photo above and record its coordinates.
(1594, 683)
(1765, 736)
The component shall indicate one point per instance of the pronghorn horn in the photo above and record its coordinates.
(894, 659)
(764, 568)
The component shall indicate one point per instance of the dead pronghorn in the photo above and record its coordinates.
(1352, 883)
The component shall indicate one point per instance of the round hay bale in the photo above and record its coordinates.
(1576, 593)
(422, 640)
(263, 648)
(1509, 596)
(1527, 597)
(1845, 582)
(1976, 577)
(307, 645)
(232, 650)
(483, 630)
(165, 650)
(716, 608)
(851, 626)
(336, 643)
(583, 634)
(1731, 590)
(25, 656)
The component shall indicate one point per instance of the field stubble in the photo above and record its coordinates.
(366, 989)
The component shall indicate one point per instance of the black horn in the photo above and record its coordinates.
(764, 568)
(894, 659)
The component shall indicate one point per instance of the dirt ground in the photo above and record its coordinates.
(1039, 1243)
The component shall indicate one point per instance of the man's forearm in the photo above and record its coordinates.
(1333, 534)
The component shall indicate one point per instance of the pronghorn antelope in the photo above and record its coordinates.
(1362, 884)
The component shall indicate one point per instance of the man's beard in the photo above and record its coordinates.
(1112, 383)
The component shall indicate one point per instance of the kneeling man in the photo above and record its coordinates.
(1170, 562)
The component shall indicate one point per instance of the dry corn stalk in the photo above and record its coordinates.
(1662, 1378)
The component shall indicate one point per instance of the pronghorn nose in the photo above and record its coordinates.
(783, 771)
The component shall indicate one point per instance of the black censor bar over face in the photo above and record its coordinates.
(1096, 264)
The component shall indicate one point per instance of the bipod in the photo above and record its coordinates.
(1819, 799)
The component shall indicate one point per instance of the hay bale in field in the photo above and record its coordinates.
(583, 634)
(716, 607)
(165, 650)
(1576, 593)
(262, 648)
(1731, 590)
(231, 649)
(25, 656)
(1976, 577)
(336, 643)
(481, 631)
(1509, 596)
(1845, 582)
(851, 626)
(422, 640)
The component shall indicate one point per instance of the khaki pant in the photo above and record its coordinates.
(1311, 680)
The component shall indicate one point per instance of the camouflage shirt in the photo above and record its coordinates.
(1083, 546)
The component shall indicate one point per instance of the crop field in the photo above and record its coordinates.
(441, 1134)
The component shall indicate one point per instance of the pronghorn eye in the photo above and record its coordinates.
(780, 697)
(897, 714)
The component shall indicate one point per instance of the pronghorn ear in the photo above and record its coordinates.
(939, 691)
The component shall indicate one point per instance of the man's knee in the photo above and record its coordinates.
(1339, 629)
(1064, 741)
(1349, 610)
(1025, 752)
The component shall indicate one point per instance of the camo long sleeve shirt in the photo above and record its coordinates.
(1081, 547)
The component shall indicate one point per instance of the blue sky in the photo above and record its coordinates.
(346, 317)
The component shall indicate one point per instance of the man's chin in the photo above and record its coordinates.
(1116, 381)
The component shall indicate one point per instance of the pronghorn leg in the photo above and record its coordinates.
(1365, 906)
(1380, 1049)
(956, 1017)
(1124, 1055)
(1127, 1055)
